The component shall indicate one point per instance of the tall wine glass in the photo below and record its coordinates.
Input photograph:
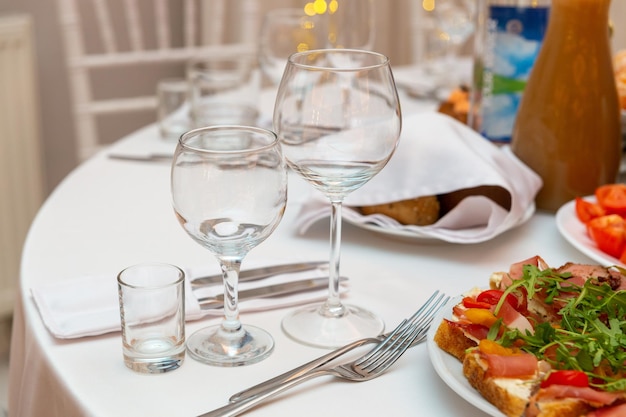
(351, 25)
(229, 190)
(338, 118)
(285, 31)
(455, 20)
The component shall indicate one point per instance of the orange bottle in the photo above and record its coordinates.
(568, 125)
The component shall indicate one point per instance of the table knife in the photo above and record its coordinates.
(152, 157)
(260, 273)
(217, 301)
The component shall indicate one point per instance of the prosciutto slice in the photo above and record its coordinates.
(590, 395)
(510, 366)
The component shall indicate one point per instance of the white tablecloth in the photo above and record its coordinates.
(108, 214)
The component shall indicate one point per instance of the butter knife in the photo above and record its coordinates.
(260, 273)
(208, 303)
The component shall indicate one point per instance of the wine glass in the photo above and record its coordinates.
(285, 31)
(338, 118)
(351, 24)
(455, 21)
(229, 190)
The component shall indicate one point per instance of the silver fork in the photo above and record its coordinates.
(422, 317)
(367, 367)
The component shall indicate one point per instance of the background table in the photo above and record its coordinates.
(109, 214)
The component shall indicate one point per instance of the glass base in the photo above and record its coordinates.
(155, 362)
(316, 326)
(215, 346)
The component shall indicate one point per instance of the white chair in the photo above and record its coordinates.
(114, 35)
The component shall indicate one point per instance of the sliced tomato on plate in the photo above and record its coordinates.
(612, 197)
(608, 232)
(566, 377)
(587, 210)
(492, 297)
(471, 302)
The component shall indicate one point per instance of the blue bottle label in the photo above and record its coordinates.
(513, 39)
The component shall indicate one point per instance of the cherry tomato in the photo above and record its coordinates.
(608, 233)
(612, 197)
(566, 377)
(587, 210)
(492, 297)
(471, 302)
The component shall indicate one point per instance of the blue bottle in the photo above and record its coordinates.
(507, 42)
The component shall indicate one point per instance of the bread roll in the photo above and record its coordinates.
(420, 211)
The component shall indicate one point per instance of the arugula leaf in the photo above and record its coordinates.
(591, 334)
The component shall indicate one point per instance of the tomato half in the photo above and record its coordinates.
(608, 233)
(587, 210)
(492, 297)
(471, 302)
(566, 377)
(612, 197)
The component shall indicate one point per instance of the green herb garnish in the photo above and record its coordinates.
(590, 335)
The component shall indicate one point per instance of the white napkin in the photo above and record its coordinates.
(436, 155)
(88, 305)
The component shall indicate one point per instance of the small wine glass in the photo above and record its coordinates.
(338, 118)
(229, 190)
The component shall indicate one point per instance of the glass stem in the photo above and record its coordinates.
(333, 306)
(230, 273)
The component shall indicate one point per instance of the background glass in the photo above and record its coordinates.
(223, 90)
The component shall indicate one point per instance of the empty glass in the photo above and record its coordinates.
(229, 190)
(338, 118)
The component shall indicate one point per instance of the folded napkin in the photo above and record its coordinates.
(88, 305)
(437, 155)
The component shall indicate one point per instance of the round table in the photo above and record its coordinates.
(108, 214)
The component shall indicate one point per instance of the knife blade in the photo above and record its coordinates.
(259, 273)
(153, 157)
(207, 303)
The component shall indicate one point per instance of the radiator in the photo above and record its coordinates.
(21, 182)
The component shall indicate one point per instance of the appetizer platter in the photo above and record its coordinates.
(538, 341)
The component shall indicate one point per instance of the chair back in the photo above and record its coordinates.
(119, 36)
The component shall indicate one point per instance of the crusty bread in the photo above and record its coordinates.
(567, 407)
(452, 340)
(506, 400)
(426, 210)
(420, 211)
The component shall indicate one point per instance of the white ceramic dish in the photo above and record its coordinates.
(450, 369)
(573, 230)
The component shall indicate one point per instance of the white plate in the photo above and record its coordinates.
(573, 230)
(450, 369)
(417, 236)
